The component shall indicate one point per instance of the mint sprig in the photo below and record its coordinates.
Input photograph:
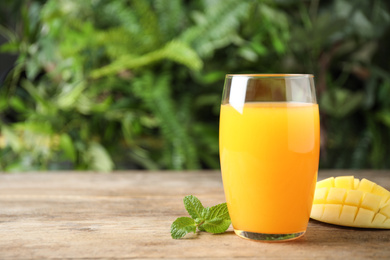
(214, 220)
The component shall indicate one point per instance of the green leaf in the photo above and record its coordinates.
(17, 104)
(201, 228)
(182, 226)
(213, 220)
(219, 211)
(11, 138)
(176, 51)
(216, 225)
(383, 117)
(181, 53)
(341, 102)
(217, 219)
(199, 221)
(40, 98)
(70, 94)
(9, 47)
(99, 159)
(193, 206)
(67, 146)
(33, 67)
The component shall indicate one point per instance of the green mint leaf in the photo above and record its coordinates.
(219, 211)
(182, 226)
(201, 228)
(216, 225)
(199, 220)
(215, 219)
(205, 213)
(193, 206)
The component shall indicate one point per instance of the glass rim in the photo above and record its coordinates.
(270, 75)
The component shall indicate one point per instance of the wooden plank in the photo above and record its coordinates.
(128, 215)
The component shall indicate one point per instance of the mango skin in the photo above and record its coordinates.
(347, 201)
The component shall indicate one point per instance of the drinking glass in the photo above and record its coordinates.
(269, 141)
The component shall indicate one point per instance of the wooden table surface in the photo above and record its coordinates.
(128, 215)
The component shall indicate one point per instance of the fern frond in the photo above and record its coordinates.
(69, 95)
(148, 21)
(171, 17)
(155, 92)
(136, 29)
(181, 53)
(216, 26)
(118, 41)
(174, 50)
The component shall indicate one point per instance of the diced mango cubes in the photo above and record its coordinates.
(317, 211)
(356, 183)
(347, 215)
(366, 185)
(329, 182)
(364, 217)
(332, 211)
(385, 211)
(379, 219)
(385, 194)
(345, 182)
(320, 195)
(351, 202)
(336, 196)
(371, 202)
(354, 197)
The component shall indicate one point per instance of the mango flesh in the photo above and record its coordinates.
(351, 202)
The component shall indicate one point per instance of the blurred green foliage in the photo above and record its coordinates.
(124, 84)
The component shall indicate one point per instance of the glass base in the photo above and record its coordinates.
(268, 237)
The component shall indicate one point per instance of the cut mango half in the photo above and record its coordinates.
(348, 201)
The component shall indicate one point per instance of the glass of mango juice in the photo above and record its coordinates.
(269, 141)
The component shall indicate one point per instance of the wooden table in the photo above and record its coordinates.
(128, 215)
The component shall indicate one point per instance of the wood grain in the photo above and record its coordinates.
(128, 215)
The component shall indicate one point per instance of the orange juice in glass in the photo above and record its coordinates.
(269, 150)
